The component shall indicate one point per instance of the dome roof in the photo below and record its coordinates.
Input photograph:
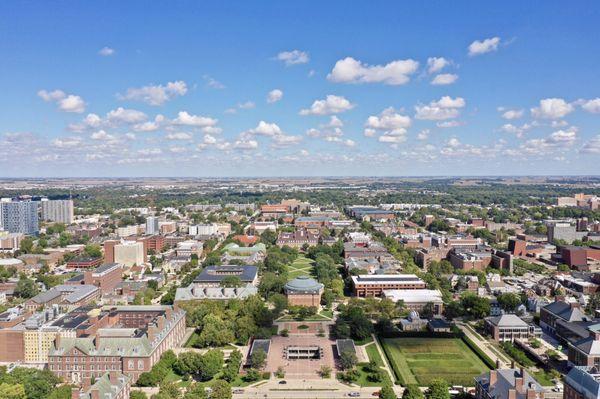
(303, 284)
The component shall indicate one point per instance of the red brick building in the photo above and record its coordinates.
(127, 339)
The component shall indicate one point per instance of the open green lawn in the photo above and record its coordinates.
(373, 354)
(420, 360)
(302, 266)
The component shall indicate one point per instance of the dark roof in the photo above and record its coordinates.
(438, 323)
(105, 267)
(213, 274)
(264, 344)
(565, 311)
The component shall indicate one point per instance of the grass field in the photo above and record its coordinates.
(420, 360)
(302, 266)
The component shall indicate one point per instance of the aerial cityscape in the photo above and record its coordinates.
(304, 200)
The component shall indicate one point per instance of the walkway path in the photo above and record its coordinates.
(485, 346)
(384, 358)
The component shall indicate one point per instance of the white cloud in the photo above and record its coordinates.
(293, 57)
(282, 140)
(448, 124)
(149, 126)
(274, 96)
(102, 135)
(552, 108)
(266, 129)
(445, 108)
(370, 132)
(566, 137)
(513, 114)
(350, 70)
(436, 64)
(453, 143)
(156, 94)
(423, 134)
(106, 51)
(65, 102)
(389, 120)
(246, 144)
(484, 46)
(179, 136)
(177, 149)
(444, 79)
(54, 95)
(592, 146)
(68, 142)
(213, 83)
(150, 151)
(212, 130)
(330, 105)
(592, 106)
(208, 139)
(246, 105)
(390, 137)
(122, 115)
(334, 121)
(186, 119)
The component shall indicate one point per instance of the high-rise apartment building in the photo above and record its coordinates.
(60, 211)
(19, 216)
(152, 225)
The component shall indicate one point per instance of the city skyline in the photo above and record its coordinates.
(310, 89)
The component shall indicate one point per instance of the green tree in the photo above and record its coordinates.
(93, 251)
(196, 391)
(258, 359)
(348, 359)
(509, 301)
(12, 391)
(438, 389)
(220, 390)
(211, 363)
(412, 392)
(137, 395)
(26, 288)
(216, 332)
(387, 392)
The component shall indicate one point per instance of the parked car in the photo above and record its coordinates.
(354, 394)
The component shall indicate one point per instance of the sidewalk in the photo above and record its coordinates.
(485, 346)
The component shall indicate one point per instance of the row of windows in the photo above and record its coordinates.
(82, 359)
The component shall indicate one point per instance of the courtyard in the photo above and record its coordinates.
(301, 337)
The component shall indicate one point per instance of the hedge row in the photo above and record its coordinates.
(482, 355)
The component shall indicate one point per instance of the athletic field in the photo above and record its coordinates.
(419, 360)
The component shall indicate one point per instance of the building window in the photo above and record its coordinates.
(140, 364)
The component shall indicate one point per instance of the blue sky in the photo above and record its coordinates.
(248, 88)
